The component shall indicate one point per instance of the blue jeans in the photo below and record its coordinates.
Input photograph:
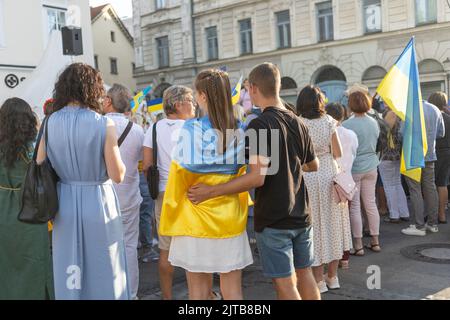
(147, 210)
(283, 251)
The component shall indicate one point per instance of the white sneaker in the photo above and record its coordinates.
(413, 231)
(432, 229)
(332, 283)
(322, 286)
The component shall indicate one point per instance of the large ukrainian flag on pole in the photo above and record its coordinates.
(400, 90)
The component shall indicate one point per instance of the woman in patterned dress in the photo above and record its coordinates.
(331, 223)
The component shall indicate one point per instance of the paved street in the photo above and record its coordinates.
(401, 277)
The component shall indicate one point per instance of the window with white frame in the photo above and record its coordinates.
(162, 45)
(245, 30)
(2, 25)
(426, 11)
(56, 18)
(160, 4)
(283, 29)
(325, 21)
(372, 16)
(212, 43)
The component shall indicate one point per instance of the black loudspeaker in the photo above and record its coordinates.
(72, 41)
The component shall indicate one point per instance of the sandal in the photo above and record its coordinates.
(357, 252)
(343, 264)
(373, 246)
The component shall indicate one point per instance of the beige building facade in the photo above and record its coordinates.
(332, 44)
(113, 47)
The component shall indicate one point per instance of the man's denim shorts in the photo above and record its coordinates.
(283, 251)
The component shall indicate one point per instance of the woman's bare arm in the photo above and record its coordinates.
(148, 159)
(42, 154)
(336, 148)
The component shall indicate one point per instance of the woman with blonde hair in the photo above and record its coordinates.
(208, 237)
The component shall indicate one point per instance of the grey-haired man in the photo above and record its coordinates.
(116, 104)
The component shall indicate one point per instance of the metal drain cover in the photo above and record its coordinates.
(438, 253)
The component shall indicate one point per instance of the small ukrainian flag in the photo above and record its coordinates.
(236, 93)
(137, 100)
(155, 106)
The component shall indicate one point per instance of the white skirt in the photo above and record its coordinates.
(205, 255)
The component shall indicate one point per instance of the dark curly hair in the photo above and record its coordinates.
(18, 130)
(79, 83)
(311, 103)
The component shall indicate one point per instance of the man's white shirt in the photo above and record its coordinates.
(167, 132)
(131, 153)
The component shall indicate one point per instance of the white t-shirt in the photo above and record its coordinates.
(349, 143)
(131, 153)
(167, 132)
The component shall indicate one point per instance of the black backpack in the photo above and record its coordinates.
(381, 124)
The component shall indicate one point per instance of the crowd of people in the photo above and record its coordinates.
(285, 184)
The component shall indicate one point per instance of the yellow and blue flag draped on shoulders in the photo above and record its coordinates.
(155, 106)
(196, 160)
(400, 90)
(236, 93)
(137, 100)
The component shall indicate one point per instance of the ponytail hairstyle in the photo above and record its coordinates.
(215, 84)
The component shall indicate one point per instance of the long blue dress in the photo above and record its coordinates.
(88, 249)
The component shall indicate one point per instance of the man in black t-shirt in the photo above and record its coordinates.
(280, 151)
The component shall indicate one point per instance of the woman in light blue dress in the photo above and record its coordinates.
(88, 248)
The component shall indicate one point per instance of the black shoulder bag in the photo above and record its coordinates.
(153, 172)
(39, 198)
(125, 133)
